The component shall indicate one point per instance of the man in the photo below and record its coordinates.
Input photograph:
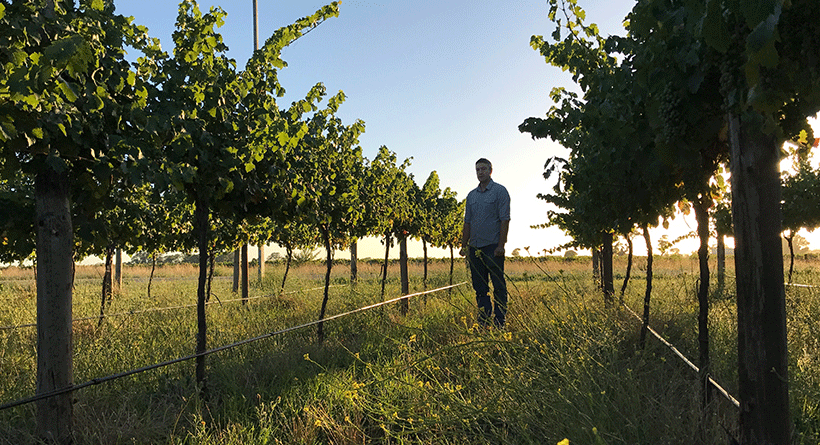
(486, 223)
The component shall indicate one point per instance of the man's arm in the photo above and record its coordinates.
(465, 239)
(502, 239)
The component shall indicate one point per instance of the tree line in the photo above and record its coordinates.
(695, 91)
(176, 151)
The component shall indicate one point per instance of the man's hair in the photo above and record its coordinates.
(484, 161)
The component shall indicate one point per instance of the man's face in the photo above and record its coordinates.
(482, 172)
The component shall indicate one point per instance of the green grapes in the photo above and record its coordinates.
(730, 84)
(669, 110)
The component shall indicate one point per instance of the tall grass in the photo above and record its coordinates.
(565, 367)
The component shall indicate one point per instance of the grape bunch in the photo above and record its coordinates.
(732, 74)
(730, 81)
(669, 109)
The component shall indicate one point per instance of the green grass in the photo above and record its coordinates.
(564, 368)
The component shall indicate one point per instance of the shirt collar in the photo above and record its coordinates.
(489, 186)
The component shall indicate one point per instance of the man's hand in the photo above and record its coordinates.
(499, 251)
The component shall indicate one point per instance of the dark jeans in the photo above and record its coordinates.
(486, 267)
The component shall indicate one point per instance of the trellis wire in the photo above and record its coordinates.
(157, 309)
(712, 381)
(112, 377)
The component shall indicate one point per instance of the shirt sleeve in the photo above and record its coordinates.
(504, 205)
(468, 214)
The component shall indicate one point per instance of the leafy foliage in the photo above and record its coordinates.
(612, 151)
(801, 209)
(69, 102)
(683, 67)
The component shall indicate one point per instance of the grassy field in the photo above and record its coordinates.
(564, 368)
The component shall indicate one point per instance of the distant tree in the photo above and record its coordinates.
(451, 211)
(801, 207)
(667, 247)
(430, 221)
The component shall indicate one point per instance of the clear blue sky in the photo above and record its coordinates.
(443, 82)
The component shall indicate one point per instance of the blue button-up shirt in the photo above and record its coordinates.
(484, 212)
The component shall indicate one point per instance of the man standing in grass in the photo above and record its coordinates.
(486, 223)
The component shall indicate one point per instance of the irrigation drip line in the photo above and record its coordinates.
(112, 377)
(809, 286)
(9, 328)
(131, 278)
(717, 386)
(801, 285)
(157, 309)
